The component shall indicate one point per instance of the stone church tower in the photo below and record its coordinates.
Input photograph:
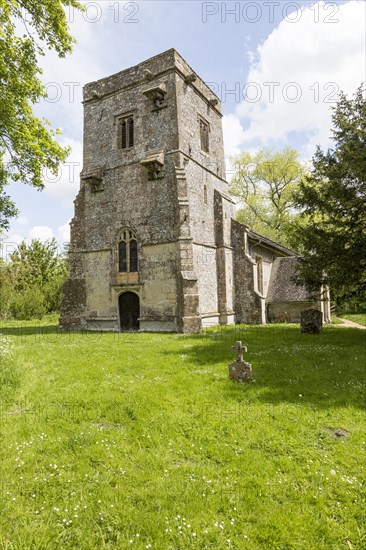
(154, 243)
(151, 236)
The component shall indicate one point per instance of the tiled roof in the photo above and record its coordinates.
(282, 287)
(257, 238)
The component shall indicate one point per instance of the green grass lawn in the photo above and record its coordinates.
(335, 320)
(142, 441)
(356, 317)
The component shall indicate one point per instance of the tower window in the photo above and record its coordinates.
(126, 132)
(122, 257)
(127, 252)
(205, 194)
(204, 135)
(133, 256)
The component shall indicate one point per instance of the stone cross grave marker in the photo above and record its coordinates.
(239, 350)
(239, 370)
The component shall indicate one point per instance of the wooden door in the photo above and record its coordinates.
(129, 311)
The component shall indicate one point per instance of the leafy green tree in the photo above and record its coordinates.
(37, 263)
(7, 206)
(27, 143)
(32, 280)
(332, 227)
(6, 289)
(265, 183)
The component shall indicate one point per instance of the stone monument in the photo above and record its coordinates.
(239, 370)
(311, 321)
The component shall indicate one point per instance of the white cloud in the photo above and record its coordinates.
(233, 134)
(308, 59)
(40, 232)
(64, 233)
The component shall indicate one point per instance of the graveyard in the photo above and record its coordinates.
(142, 440)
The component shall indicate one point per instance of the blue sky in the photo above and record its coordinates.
(276, 65)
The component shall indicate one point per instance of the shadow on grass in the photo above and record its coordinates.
(326, 370)
(21, 330)
(51, 332)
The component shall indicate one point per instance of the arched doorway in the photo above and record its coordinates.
(129, 311)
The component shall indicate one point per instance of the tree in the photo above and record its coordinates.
(265, 183)
(7, 207)
(27, 143)
(38, 262)
(31, 282)
(333, 200)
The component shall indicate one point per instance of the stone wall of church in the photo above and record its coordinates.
(205, 172)
(159, 287)
(147, 206)
(126, 198)
(201, 186)
(248, 304)
(205, 268)
(107, 99)
(197, 102)
(97, 270)
(256, 250)
(224, 259)
(73, 304)
(288, 312)
(193, 260)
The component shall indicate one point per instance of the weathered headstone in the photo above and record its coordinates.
(240, 370)
(311, 321)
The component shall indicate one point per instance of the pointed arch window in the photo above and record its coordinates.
(127, 252)
(122, 257)
(133, 256)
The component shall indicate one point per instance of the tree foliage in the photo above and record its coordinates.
(27, 143)
(31, 281)
(333, 199)
(265, 183)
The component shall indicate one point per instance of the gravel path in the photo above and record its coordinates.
(348, 323)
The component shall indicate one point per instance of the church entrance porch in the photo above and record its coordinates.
(129, 311)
